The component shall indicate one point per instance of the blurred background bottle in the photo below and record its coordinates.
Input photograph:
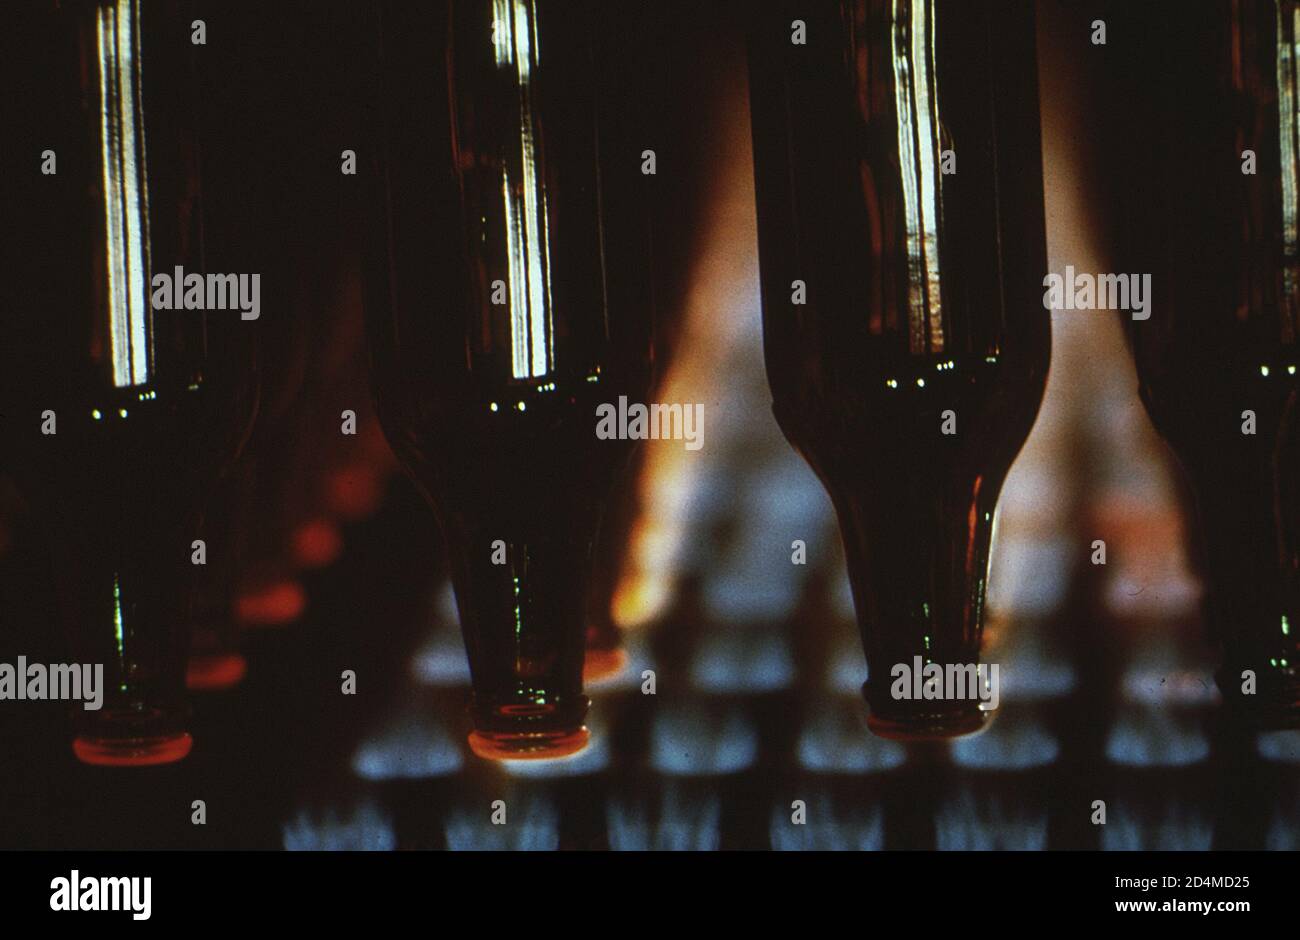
(1207, 206)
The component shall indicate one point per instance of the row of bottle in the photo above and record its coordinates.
(506, 189)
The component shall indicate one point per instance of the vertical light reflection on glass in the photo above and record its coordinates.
(523, 193)
(520, 665)
(126, 191)
(1286, 107)
(916, 101)
(117, 624)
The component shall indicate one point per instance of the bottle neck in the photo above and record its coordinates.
(522, 596)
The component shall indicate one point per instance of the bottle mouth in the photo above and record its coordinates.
(528, 745)
(924, 720)
(529, 730)
(931, 728)
(132, 752)
(132, 737)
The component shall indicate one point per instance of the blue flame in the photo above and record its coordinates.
(1180, 829)
(684, 825)
(1010, 743)
(750, 660)
(415, 748)
(966, 823)
(825, 830)
(531, 825)
(836, 741)
(364, 830)
(687, 741)
(1149, 737)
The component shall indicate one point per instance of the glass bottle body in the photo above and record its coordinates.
(119, 415)
(898, 175)
(1211, 203)
(507, 300)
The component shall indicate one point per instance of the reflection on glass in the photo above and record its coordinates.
(916, 104)
(523, 193)
(1288, 19)
(126, 191)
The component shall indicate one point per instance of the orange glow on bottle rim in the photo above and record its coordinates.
(537, 745)
(930, 728)
(132, 752)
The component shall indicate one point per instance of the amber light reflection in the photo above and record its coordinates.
(722, 295)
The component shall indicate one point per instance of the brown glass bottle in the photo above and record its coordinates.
(507, 297)
(1208, 201)
(115, 417)
(921, 301)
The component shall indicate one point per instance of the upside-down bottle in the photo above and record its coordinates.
(507, 298)
(117, 418)
(1210, 192)
(901, 244)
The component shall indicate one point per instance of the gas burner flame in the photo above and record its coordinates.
(415, 748)
(684, 824)
(687, 741)
(1175, 827)
(364, 829)
(1149, 737)
(968, 823)
(1010, 743)
(747, 660)
(836, 741)
(850, 829)
(532, 826)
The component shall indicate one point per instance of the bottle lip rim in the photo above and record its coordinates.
(132, 752)
(532, 745)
